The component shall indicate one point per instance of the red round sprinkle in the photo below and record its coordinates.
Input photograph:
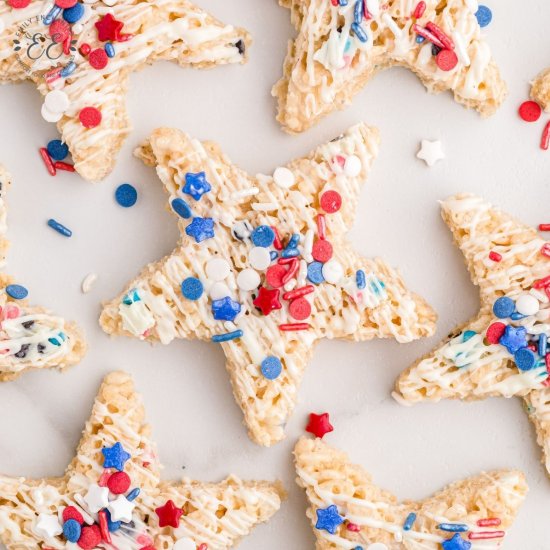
(331, 201)
(98, 59)
(19, 4)
(90, 117)
(530, 111)
(321, 251)
(90, 537)
(446, 60)
(85, 49)
(72, 513)
(65, 4)
(495, 332)
(60, 30)
(300, 309)
(119, 483)
(274, 275)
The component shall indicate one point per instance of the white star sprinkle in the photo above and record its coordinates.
(48, 526)
(430, 152)
(96, 498)
(121, 509)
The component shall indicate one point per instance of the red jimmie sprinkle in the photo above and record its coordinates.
(285, 261)
(495, 332)
(544, 227)
(104, 478)
(60, 30)
(446, 60)
(545, 250)
(321, 251)
(19, 4)
(299, 309)
(90, 117)
(354, 528)
(72, 513)
(277, 244)
(428, 35)
(530, 111)
(321, 226)
(495, 256)
(90, 537)
(419, 10)
(119, 483)
(47, 161)
(274, 275)
(67, 44)
(440, 33)
(541, 283)
(298, 292)
(366, 11)
(488, 522)
(546, 383)
(545, 139)
(331, 201)
(486, 535)
(98, 59)
(64, 166)
(292, 270)
(288, 327)
(104, 526)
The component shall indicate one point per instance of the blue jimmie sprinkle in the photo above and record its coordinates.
(293, 242)
(112, 525)
(68, 70)
(358, 12)
(420, 39)
(343, 2)
(543, 342)
(273, 255)
(517, 316)
(110, 49)
(468, 334)
(359, 32)
(453, 527)
(133, 494)
(218, 338)
(360, 279)
(409, 522)
(51, 15)
(61, 229)
(57, 149)
(290, 253)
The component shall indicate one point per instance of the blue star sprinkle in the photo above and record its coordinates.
(225, 309)
(329, 519)
(115, 456)
(514, 338)
(456, 543)
(201, 229)
(196, 185)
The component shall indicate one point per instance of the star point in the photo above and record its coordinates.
(431, 152)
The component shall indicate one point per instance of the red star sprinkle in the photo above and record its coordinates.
(108, 28)
(267, 300)
(169, 515)
(319, 425)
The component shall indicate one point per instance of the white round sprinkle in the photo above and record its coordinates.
(218, 291)
(527, 305)
(57, 101)
(333, 271)
(248, 279)
(49, 116)
(352, 166)
(217, 269)
(88, 282)
(284, 178)
(259, 258)
(184, 544)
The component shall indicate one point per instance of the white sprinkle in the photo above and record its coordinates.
(259, 258)
(430, 152)
(473, 5)
(184, 544)
(291, 285)
(302, 273)
(392, 25)
(217, 269)
(333, 271)
(88, 282)
(373, 6)
(308, 246)
(462, 52)
(527, 305)
(218, 291)
(245, 193)
(540, 296)
(48, 116)
(84, 509)
(284, 178)
(352, 166)
(264, 206)
(248, 279)
(57, 101)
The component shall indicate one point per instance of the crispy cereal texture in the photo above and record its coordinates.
(540, 90)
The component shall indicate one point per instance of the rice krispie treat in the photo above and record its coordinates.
(504, 350)
(348, 511)
(540, 90)
(31, 337)
(80, 56)
(263, 268)
(342, 44)
(112, 495)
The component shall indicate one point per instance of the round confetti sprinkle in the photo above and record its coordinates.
(322, 251)
(126, 195)
(504, 307)
(119, 483)
(57, 149)
(72, 513)
(181, 208)
(98, 59)
(217, 269)
(90, 537)
(192, 288)
(275, 274)
(352, 166)
(57, 101)
(530, 111)
(50, 116)
(284, 178)
(263, 236)
(527, 305)
(85, 49)
(495, 332)
(17, 292)
(525, 359)
(90, 117)
(331, 201)
(74, 14)
(219, 291)
(248, 279)
(333, 271)
(299, 309)
(66, 4)
(19, 4)
(72, 530)
(446, 60)
(271, 367)
(259, 258)
(484, 16)
(59, 31)
(315, 273)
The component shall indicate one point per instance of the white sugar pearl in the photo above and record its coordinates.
(527, 305)
(333, 271)
(259, 258)
(184, 544)
(284, 178)
(57, 101)
(376, 546)
(49, 116)
(352, 166)
(248, 279)
(218, 291)
(217, 269)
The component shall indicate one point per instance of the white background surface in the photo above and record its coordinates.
(197, 425)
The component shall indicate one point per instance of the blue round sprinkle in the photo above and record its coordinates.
(181, 208)
(484, 16)
(74, 14)
(504, 307)
(72, 530)
(525, 359)
(192, 288)
(17, 292)
(263, 236)
(57, 149)
(468, 334)
(271, 367)
(315, 273)
(126, 195)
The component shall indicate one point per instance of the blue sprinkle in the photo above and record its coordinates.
(271, 367)
(112, 525)
(484, 16)
(514, 338)
(315, 273)
(17, 292)
(133, 494)
(74, 14)
(293, 242)
(343, 2)
(525, 359)
(263, 236)
(358, 12)
(273, 255)
(227, 336)
(192, 288)
(360, 279)
(359, 32)
(196, 185)
(68, 70)
(468, 334)
(201, 229)
(109, 49)
(409, 522)
(72, 530)
(543, 342)
(54, 341)
(61, 229)
(348, 46)
(517, 316)
(57, 149)
(126, 195)
(225, 309)
(329, 519)
(504, 307)
(290, 253)
(420, 39)
(453, 527)
(181, 208)
(51, 15)
(115, 457)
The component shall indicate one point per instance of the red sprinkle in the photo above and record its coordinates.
(274, 275)
(541, 283)
(319, 425)
(530, 111)
(546, 383)
(204, 546)
(60, 30)
(104, 526)
(19, 4)
(544, 227)
(288, 327)
(495, 256)
(90, 117)
(489, 522)
(298, 292)
(545, 139)
(321, 226)
(419, 10)
(277, 244)
(72, 513)
(65, 4)
(90, 537)
(331, 201)
(495, 332)
(486, 535)
(119, 483)
(85, 49)
(428, 35)
(64, 166)
(67, 44)
(292, 270)
(354, 528)
(104, 478)
(334, 2)
(48, 161)
(322, 251)
(300, 309)
(366, 11)
(446, 60)
(440, 33)
(545, 250)
(98, 59)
